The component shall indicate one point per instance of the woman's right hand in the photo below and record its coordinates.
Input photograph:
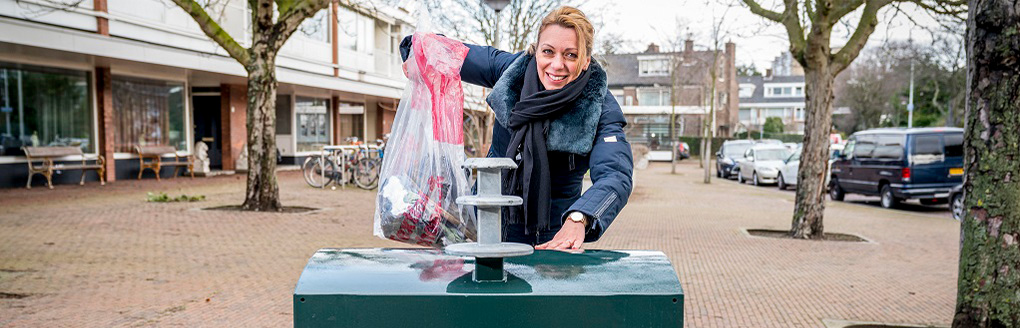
(404, 67)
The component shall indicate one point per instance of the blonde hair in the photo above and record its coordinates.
(572, 18)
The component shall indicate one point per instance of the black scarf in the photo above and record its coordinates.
(529, 124)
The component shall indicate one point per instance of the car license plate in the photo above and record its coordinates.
(956, 171)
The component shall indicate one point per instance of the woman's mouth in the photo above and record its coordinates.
(556, 78)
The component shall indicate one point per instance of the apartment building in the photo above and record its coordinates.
(653, 85)
(779, 93)
(107, 75)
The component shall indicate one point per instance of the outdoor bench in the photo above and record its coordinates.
(46, 168)
(151, 157)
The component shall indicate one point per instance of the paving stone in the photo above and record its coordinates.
(101, 256)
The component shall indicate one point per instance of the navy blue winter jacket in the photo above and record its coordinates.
(590, 137)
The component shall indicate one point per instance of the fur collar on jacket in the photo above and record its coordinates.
(574, 132)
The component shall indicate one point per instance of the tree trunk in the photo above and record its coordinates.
(989, 279)
(263, 193)
(810, 201)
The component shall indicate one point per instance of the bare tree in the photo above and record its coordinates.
(273, 22)
(717, 39)
(809, 26)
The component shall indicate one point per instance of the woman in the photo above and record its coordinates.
(556, 118)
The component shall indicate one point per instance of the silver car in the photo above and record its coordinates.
(761, 163)
(788, 172)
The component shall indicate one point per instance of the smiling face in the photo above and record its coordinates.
(557, 57)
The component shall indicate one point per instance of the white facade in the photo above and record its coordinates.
(155, 40)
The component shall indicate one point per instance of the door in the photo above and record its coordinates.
(207, 126)
(841, 165)
(862, 167)
(927, 161)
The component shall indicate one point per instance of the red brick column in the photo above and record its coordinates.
(233, 118)
(107, 138)
(102, 23)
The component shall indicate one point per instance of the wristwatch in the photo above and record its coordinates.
(579, 218)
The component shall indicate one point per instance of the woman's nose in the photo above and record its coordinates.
(558, 64)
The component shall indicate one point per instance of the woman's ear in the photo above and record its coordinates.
(587, 62)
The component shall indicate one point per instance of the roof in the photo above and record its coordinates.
(910, 131)
(622, 69)
(737, 142)
(759, 89)
(760, 146)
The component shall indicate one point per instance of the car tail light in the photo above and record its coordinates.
(905, 174)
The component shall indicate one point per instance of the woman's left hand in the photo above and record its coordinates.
(570, 236)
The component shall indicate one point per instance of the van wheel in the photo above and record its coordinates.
(835, 191)
(740, 178)
(781, 183)
(754, 177)
(957, 206)
(888, 199)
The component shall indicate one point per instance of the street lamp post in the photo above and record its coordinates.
(497, 6)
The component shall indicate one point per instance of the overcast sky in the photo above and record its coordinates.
(644, 21)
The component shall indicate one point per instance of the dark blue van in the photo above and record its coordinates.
(900, 164)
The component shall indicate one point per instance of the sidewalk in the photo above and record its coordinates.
(101, 256)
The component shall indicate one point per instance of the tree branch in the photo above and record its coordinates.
(214, 31)
(952, 8)
(794, 30)
(290, 20)
(765, 13)
(846, 7)
(866, 25)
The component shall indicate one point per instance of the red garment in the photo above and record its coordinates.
(439, 60)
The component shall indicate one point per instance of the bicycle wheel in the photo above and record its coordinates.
(315, 173)
(366, 176)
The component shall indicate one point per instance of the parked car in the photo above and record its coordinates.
(761, 164)
(956, 202)
(728, 155)
(683, 151)
(899, 164)
(788, 173)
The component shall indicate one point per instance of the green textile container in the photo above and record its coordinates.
(427, 288)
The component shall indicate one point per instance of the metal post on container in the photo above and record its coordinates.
(490, 249)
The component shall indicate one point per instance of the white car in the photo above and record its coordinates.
(788, 172)
(761, 164)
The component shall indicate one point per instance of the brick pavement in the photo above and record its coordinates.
(100, 256)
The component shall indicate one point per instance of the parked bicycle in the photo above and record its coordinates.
(342, 164)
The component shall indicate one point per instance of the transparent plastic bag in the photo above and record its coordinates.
(421, 177)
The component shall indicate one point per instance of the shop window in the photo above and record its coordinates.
(44, 107)
(148, 112)
(312, 116)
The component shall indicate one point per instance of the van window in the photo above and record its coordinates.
(889, 146)
(927, 145)
(954, 145)
(865, 146)
(848, 150)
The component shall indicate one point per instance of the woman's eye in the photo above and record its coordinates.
(547, 52)
(572, 55)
